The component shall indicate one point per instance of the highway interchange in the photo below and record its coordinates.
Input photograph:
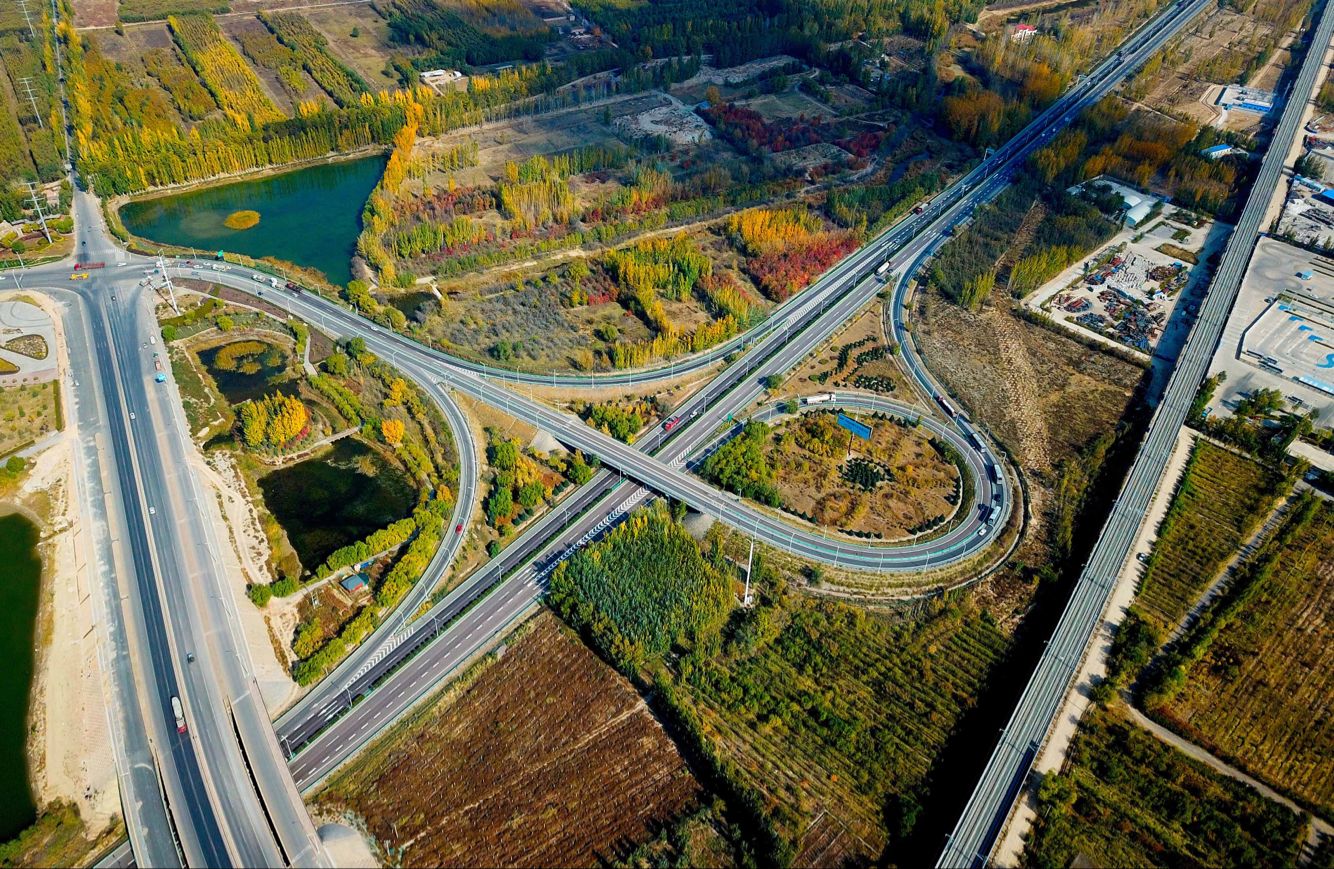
(224, 783)
(984, 816)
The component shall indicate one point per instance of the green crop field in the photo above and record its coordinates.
(1261, 690)
(1127, 800)
(339, 82)
(823, 714)
(1221, 498)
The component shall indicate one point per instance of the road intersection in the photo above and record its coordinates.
(223, 787)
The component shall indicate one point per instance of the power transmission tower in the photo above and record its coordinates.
(37, 205)
(27, 16)
(26, 81)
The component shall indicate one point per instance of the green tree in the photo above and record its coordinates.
(530, 495)
(503, 455)
(500, 505)
(337, 364)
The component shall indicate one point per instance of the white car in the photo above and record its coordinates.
(152, 511)
(131, 414)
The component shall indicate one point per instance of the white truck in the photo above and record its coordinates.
(177, 711)
(819, 399)
(883, 271)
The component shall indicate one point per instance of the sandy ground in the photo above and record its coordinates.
(347, 849)
(1052, 757)
(246, 559)
(69, 747)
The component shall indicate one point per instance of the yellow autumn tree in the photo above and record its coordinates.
(288, 417)
(392, 431)
(398, 392)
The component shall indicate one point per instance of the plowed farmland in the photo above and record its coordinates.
(1263, 693)
(548, 759)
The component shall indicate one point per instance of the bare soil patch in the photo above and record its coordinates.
(368, 51)
(94, 13)
(550, 759)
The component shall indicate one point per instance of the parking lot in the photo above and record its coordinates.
(1281, 333)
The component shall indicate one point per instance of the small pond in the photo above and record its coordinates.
(247, 369)
(336, 498)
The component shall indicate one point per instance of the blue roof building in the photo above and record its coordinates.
(354, 583)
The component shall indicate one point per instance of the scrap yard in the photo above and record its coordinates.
(1132, 290)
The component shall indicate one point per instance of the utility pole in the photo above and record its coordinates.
(37, 205)
(26, 81)
(27, 16)
(750, 559)
(166, 282)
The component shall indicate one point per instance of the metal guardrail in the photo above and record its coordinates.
(974, 836)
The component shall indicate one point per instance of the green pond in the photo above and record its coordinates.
(309, 216)
(247, 369)
(20, 582)
(336, 498)
(407, 302)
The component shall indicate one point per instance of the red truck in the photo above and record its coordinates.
(96, 265)
(671, 423)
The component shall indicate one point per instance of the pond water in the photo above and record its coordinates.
(335, 499)
(247, 369)
(20, 583)
(407, 302)
(309, 216)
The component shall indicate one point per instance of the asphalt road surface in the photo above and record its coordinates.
(983, 818)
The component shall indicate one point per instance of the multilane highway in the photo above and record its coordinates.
(225, 797)
(983, 818)
(841, 295)
(517, 592)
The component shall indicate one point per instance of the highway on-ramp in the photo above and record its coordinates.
(299, 724)
(983, 818)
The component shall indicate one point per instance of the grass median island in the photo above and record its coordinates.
(1126, 799)
(1255, 682)
(902, 481)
